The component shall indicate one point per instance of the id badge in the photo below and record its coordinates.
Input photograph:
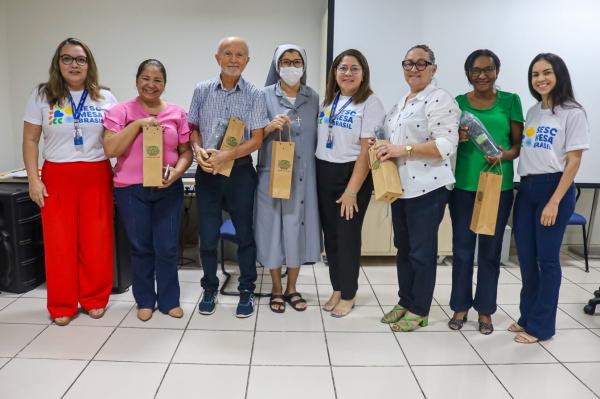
(77, 137)
(329, 143)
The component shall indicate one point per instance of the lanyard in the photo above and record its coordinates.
(77, 111)
(333, 115)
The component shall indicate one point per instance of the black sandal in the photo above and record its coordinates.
(277, 303)
(457, 324)
(294, 303)
(486, 328)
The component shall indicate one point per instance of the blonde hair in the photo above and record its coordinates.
(56, 89)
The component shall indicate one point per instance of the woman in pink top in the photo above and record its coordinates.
(151, 214)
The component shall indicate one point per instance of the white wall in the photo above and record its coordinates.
(183, 34)
(8, 148)
(515, 30)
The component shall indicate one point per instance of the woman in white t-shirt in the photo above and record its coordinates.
(75, 190)
(347, 120)
(423, 129)
(555, 136)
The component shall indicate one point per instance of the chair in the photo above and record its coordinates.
(227, 232)
(578, 219)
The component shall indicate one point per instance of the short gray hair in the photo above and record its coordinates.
(425, 48)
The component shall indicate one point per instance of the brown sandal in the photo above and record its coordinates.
(277, 303)
(294, 303)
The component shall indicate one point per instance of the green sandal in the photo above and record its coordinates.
(407, 324)
(394, 315)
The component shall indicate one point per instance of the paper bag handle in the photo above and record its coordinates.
(289, 132)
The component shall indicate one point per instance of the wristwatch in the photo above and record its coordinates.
(409, 150)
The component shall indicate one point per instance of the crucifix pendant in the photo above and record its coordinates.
(298, 120)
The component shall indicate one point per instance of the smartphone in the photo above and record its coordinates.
(167, 172)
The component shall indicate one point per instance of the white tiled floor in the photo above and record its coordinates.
(301, 354)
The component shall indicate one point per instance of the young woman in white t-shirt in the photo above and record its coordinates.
(75, 190)
(347, 119)
(555, 136)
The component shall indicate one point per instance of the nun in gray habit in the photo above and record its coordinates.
(287, 231)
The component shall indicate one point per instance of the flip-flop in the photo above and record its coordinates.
(275, 305)
(294, 303)
(524, 338)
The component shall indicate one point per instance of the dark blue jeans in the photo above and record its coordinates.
(234, 194)
(416, 222)
(463, 250)
(152, 218)
(538, 249)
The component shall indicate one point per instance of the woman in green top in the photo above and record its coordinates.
(502, 115)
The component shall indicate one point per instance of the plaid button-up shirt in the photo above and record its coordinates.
(211, 103)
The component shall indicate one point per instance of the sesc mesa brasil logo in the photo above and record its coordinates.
(232, 141)
(284, 164)
(152, 150)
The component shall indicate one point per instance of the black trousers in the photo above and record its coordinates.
(416, 222)
(342, 237)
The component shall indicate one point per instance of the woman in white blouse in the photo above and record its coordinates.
(423, 130)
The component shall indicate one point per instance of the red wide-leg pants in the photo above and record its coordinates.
(77, 221)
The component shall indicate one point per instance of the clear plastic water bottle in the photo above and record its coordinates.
(380, 133)
(479, 135)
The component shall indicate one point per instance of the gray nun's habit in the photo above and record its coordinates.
(288, 231)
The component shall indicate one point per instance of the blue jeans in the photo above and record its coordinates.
(152, 218)
(463, 251)
(416, 222)
(538, 249)
(234, 194)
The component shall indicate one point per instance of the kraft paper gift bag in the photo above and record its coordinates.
(282, 166)
(386, 179)
(233, 137)
(152, 137)
(487, 201)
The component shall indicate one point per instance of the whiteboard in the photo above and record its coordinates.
(515, 30)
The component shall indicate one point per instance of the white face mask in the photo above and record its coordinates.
(291, 75)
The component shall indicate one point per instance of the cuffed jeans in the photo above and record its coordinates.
(416, 222)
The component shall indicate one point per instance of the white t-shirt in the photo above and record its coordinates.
(355, 122)
(432, 115)
(548, 137)
(57, 126)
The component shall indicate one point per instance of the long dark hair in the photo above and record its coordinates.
(364, 90)
(562, 94)
(56, 89)
(480, 53)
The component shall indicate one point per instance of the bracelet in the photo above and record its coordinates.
(350, 193)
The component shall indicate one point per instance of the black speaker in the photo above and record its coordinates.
(21, 240)
(122, 271)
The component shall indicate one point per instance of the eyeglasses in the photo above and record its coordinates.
(354, 70)
(474, 72)
(68, 60)
(289, 63)
(420, 64)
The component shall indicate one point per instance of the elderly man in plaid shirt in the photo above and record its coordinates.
(214, 101)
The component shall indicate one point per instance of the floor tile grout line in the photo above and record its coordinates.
(14, 356)
(253, 339)
(175, 351)
(486, 364)
(88, 362)
(325, 337)
(398, 342)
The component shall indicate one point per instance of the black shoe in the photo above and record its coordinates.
(486, 328)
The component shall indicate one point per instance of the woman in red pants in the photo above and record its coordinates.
(75, 191)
